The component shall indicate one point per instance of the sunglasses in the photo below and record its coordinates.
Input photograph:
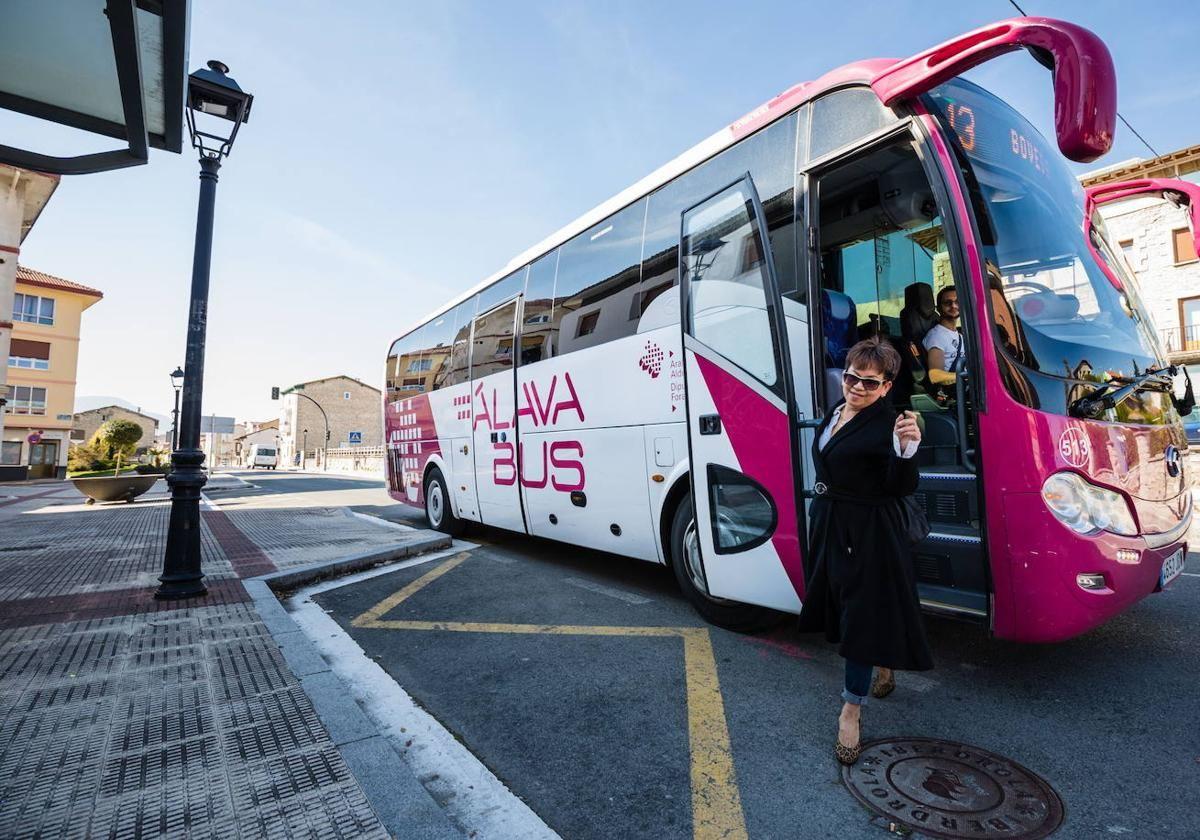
(868, 384)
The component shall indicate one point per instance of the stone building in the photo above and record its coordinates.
(87, 422)
(354, 410)
(1156, 240)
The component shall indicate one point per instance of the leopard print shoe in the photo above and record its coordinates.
(882, 688)
(846, 755)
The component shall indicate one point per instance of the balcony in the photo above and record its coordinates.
(1178, 341)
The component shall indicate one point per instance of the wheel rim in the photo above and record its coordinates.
(695, 565)
(691, 553)
(434, 502)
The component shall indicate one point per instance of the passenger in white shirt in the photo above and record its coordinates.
(944, 344)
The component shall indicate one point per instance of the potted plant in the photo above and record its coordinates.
(89, 465)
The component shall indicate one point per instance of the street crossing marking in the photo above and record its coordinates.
(716, 801)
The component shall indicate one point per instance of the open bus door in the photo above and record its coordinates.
(743, 544)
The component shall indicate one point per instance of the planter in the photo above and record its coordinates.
(114, 488)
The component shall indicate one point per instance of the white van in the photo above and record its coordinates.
(262, 455)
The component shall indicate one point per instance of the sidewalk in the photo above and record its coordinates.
(124, 716)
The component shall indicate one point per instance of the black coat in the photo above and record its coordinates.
(860, 585)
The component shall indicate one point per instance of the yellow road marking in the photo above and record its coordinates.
(390, 603)
(716, 802)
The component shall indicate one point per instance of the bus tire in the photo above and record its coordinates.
(437, 506)
(731, 615)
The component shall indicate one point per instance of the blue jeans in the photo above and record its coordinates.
(858, 683)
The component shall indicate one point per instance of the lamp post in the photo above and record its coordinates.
(210, 92)
(176, 383)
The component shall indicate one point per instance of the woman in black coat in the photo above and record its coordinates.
(861, 590)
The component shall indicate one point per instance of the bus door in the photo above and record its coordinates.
(740, 430)
(881, 254)
(494, 428)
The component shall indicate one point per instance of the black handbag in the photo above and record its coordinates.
(916, 523)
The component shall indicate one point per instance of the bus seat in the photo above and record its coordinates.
(919, 314)
(839, 323)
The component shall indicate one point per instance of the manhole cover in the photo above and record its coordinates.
(943, 789)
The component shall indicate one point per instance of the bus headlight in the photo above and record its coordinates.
(1086, 508)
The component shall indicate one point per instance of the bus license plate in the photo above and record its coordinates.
(1171, 569)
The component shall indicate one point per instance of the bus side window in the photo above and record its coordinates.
(405, 352)
(456, 368)
(539, 327)
(841, 117)
(598, 275)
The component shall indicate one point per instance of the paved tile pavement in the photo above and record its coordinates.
(121, 716)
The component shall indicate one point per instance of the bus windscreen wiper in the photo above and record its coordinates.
(1112, 394)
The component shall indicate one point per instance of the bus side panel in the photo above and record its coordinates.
(605, 507)
(581, 418)
(494, 432)
(666, 461)
(417, 428)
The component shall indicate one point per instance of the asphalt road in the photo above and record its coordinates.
(605, 734)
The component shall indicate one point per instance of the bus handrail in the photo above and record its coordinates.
(1085, 86)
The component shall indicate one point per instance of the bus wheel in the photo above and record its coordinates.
(437, 506)
(689, 572)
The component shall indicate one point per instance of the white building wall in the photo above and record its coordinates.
(1150, 223)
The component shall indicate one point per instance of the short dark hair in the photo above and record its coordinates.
(877, 354)
(943, 291)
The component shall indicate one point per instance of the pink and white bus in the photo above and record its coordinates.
(646, 380)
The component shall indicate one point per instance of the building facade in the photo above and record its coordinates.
(264, 434)
(1155, 237)
(43, 355)
(23, 196)
(88, 422)
(354, 409)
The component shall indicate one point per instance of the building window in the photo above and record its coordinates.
(345, 395)
(10, 453)
(34, 355)
(33, 309)
(413, 385)
(25, 399)
(1185, 246)
(587, 324)
(417, 365)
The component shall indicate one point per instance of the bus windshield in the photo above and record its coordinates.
(1057, 314)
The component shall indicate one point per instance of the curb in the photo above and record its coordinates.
(400, 801)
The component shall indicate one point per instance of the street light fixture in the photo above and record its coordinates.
(210, 92)
(176, 383)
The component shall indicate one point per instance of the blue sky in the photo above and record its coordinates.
(400, 152)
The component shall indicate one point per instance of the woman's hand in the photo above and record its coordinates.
(907, 429)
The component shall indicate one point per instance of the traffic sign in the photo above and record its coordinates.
(356, 437)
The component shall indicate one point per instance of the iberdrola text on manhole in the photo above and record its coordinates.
(944, 789)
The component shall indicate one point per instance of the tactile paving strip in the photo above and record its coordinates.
(185, 724)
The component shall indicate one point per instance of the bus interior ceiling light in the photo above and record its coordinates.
(214, 93)
(1085, 87)
(1086, 508)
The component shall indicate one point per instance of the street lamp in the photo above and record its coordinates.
(176, 383)
(210, 92)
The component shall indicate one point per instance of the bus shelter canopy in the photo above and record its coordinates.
(115, 68)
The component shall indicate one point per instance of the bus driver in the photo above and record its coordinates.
(944, 343)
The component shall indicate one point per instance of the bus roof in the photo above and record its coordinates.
(859, 72)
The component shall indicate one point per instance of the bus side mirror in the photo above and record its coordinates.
(1187, 402)
(1085, 83)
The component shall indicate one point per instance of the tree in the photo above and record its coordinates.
(117, 437)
